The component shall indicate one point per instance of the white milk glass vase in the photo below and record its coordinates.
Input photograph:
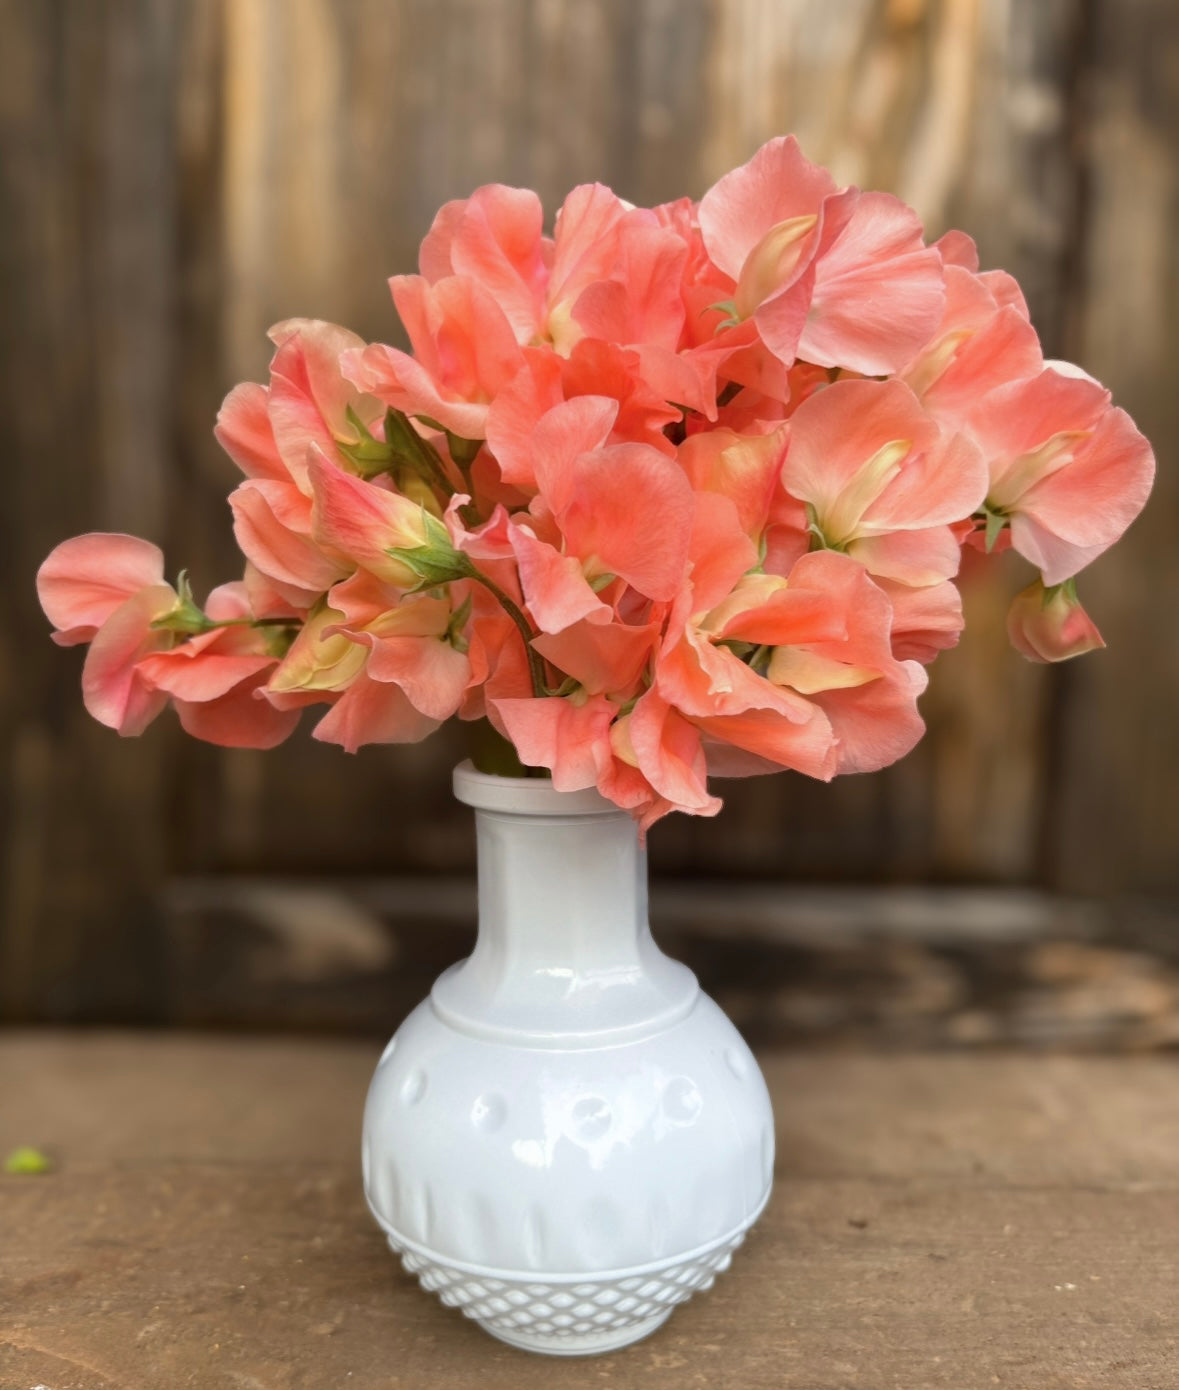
(568, 1138)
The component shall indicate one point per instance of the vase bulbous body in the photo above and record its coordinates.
(568, 1137)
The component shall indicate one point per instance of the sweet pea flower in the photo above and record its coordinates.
(272, 524)
(813, 649)
(925, 620)
(984, 341)
(547, 380)
(384, 661)
(270, 432)
(464, 353)
(842, 279)
(762, 225)
(410, 639)
(371, 711)
(1049, 624)
(602, 512)
(585, 741)
(494, 237)
(878, 291)
(83, 581)
(673, 493)
(150, 644)
(267, 430)
(108, 590)
(881, 481)
(585, 249)
(1068, 471)
(640, 306)
(379, 530)
(214, 678)
(745, 468)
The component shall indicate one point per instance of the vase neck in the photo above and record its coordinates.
(561, 891)
(564, 953)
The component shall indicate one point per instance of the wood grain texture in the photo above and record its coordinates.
(1116, 818)
(888, 969)
(177, 176)
(937, 1224)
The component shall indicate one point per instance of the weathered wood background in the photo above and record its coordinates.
(178, 174)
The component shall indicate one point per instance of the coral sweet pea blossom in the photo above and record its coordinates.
(661, 495)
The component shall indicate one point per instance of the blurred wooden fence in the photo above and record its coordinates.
(178, 174)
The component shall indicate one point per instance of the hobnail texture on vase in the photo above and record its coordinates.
(568, 1317)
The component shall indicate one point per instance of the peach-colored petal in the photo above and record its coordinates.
(1075, 514)
(877, 723)
(920, 558)
(270, 599)
(584, 249)
(113, 690)
(776, 186)
(561, 436)
(666, 748)
(372, 712)
(310, 397)
(272, 524)
(742, 467)
(768, 611)
(878, 292)
(601, 657)
(433, 675)
(979, 346)
(630, 514)
(1070, 471)
(555, 587)
(869, 460)
(873, 707)
(464, 354)
(595, 368)
(498, 242)
(238, 719)
(513, 415)
(201, 675)
(957, 249)
(364, 522)
(83, 580)
(925, 620)
(245, 433)
(434, 259)
(720, 550)
(569, 737)
(640, 302)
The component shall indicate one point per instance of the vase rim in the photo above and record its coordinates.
(526, 796)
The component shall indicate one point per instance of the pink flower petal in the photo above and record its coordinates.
(83, 581)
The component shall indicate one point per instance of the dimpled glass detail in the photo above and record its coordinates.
(514, 1307)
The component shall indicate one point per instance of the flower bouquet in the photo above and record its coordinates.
(675, 492)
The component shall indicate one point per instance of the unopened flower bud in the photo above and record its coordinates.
(1050, 624)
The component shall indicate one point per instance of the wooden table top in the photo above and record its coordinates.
(951, 1220)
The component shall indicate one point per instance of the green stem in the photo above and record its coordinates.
(410, 447)
(535, 665)
(211, 624)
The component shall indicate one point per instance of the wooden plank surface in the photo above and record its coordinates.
(938, 1223)
(1117, 812)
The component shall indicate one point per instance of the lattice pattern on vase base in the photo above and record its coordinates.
(532, 1310)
